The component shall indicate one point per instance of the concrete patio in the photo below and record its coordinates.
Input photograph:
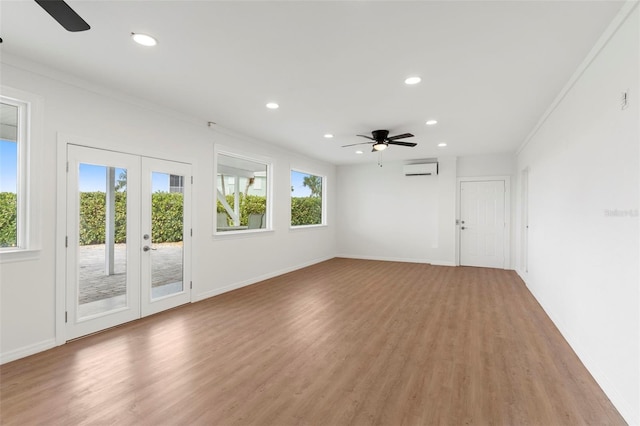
(166, 269)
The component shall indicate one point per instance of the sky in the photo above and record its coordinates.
(93, 178)
(8, 166)
(299, 190)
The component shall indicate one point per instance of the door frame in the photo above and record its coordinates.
(124, 146)
(523, 264)
(507, 214)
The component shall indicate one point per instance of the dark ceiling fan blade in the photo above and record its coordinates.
(402, 143)
(368, 137)
(402, 136)
(62, 12)
(354, 144)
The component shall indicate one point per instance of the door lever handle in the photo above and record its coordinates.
(462, 227)
(147, 248)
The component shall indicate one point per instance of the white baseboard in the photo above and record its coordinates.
(240, 284)
(442, 263)
(607, 386)
(398, 259)
(27, 350)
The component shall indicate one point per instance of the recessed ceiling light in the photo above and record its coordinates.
(144, 39)
(273, 105)
(413, 80)
(431, 122)
(442, 144)
(359, 152)
(328, 135)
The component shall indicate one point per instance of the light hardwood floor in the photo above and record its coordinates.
(342, 342)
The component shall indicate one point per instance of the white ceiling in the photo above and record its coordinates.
(489, 69)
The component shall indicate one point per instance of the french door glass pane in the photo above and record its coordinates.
(102, 251)
(167, 252)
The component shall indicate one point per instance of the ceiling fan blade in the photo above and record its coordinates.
(402, 136)
(402, 143)
(368, 137)
(354, 144)
(62, 12)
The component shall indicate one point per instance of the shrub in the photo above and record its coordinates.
(167, 217)
(8, 219)
(165, 227)
(306, 211)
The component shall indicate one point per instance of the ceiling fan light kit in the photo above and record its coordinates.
(381, 140)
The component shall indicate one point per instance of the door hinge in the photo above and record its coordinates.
(66, 242)
(191, 180)
(191, 285)
(65, 316)
(67, 167)
(191, 232)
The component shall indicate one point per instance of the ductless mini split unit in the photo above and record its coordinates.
(426, 169)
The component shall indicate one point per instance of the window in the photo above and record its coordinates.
(242, 194)
(13, 174)
(307, 199)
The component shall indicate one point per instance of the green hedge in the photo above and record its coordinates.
(167, 217)
(92, 217)
(306, 211)
(8, 219)
(167, 214)
(165, 227)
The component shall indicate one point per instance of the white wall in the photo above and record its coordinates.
(386, 215)
(487, 165)
(27, 290)
(584, 264)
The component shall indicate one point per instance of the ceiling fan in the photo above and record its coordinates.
(62, 12)
(381, 140)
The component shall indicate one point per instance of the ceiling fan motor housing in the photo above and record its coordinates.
(380, 135)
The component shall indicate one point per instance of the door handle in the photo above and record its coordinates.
(147, 248)
(462, 227)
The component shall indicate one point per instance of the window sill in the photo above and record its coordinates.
(240, 233)
(18, 255)
(302, 227)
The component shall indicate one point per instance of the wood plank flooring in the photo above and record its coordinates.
(344, 342)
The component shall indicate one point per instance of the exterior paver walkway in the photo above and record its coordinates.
(95, 285)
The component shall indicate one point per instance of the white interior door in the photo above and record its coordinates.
(482, 223)
(166, 232)
(128, 238)
(103, 248)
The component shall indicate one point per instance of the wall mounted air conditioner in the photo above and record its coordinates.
(421, 169)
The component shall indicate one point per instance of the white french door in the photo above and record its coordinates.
(128, 238)
(482, 223)
(165, 275)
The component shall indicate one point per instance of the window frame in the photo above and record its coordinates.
(323, 222)
(22, 172)
(268, 219)
(30, 155)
